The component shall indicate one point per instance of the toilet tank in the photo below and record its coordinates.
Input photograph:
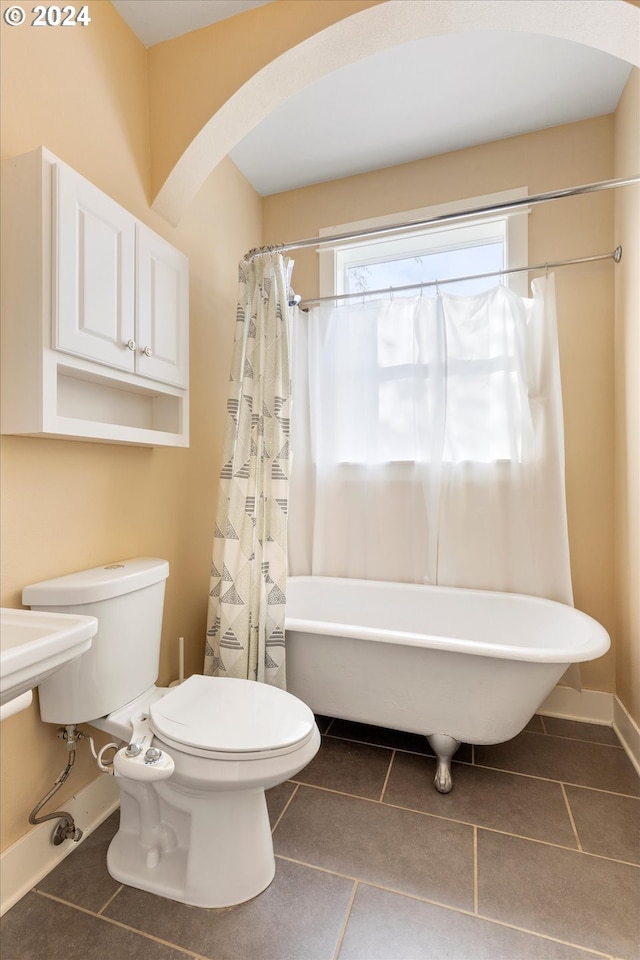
(127, 599)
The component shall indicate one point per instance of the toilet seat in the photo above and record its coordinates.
(230, 719)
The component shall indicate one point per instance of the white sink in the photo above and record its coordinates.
(33, 645)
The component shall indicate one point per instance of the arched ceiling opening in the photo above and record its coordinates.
(607, 25)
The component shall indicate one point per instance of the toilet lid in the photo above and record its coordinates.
(225, 716)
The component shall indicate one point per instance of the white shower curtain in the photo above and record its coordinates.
(428, 443)
(245, 626)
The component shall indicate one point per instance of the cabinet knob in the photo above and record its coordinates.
(148, 352)
(131, 344)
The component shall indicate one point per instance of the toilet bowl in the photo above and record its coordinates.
(196, 758)
(202, 836)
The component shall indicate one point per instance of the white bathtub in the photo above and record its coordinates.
(451, 664)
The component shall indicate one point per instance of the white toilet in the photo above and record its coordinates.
(194, 825)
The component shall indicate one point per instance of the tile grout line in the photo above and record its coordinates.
(564, 736)
(345, 922)
(572, 821)
(537, 776)
(386, 779)
(110, 900)
(559, 736)
(286, 806)
(377, 886)
(468, 823)
(475, 870)
(123, 926)
(447, 906)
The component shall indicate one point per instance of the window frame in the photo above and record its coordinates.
(334, 258)
(509, 226)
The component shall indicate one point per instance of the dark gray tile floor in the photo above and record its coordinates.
(534, 855)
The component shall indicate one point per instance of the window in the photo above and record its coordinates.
(453, 252)
(477, 245)
(482, 379)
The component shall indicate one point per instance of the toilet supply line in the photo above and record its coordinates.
(106, 768)
(66, 828)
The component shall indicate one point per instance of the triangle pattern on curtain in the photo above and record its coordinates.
(247, 600)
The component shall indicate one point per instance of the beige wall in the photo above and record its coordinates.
(627, 436)
(553, 159)
(68, 505)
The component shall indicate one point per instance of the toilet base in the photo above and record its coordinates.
(206, 850)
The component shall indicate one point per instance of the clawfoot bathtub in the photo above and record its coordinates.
(452, 664)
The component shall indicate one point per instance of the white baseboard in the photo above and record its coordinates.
(589, 706)
(592, 706)
(628, 731)
(33, 856)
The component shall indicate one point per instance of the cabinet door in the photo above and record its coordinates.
(162, 295)
(93, 271)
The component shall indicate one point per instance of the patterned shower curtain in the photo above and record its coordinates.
(245, 626)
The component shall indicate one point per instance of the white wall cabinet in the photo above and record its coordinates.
(161, 309)
(93, 246)
(95, 314)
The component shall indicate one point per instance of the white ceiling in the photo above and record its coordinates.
(153, 21)
(427, 97)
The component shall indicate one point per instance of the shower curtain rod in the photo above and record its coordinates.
(616, 255)
(446, 217)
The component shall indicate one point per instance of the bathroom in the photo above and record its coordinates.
(109, 107)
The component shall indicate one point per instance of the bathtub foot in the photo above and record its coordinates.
(444, 748)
